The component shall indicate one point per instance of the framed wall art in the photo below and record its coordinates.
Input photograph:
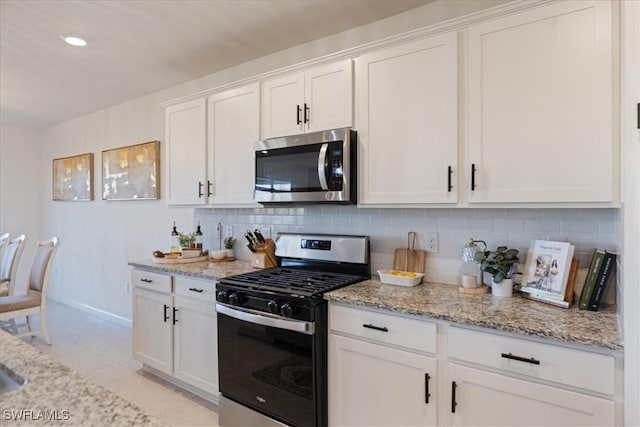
(131, 173)
(73, 178)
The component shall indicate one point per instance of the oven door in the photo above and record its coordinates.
(266, 362)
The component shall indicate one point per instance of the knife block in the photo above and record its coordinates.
(265, 255)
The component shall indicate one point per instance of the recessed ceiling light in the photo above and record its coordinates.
(74, 41)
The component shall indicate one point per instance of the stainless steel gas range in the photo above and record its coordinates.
(272, 331)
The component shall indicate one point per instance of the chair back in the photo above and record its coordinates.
(10, 259)
(4, 240)
(41, 267)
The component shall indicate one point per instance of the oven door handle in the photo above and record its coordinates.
(322, 171)
(252, 316)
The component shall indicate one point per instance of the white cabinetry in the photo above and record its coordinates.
(313, 100)
(497, 380)
(175, 329)
(234, 126)
(186, 139)
(152, 327)
(540, 111)
(381, 369)
(195, 335)
(406, 117)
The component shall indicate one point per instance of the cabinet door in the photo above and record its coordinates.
(152, 329)
(374, 385)
(186, 153)
(329, 97)
(486, 399)
(234, 123)
(406, 116)
(282, 105)
(196, 343)
(540, 105)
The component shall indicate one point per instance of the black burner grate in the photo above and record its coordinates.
(293, 281)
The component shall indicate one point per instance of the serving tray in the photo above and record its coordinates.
(167, 260)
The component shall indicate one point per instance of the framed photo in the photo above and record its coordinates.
(131, 173)
(73, 178)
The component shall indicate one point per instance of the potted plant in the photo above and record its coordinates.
(499, 264)
(228, 245)
(187, 240)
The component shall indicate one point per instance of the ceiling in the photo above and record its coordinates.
(139, 47)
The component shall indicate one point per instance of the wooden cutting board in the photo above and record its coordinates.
(410, 259)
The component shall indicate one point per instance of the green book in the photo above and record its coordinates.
(591, 279)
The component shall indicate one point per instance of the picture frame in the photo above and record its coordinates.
(72, 178)
(131, 172)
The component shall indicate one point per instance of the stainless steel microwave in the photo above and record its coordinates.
(318, 167)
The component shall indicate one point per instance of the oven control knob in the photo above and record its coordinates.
(223, 296)
(286, 310)
(236, 298)
(273, 307)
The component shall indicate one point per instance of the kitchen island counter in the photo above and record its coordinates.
(56, 395)
(519, 315)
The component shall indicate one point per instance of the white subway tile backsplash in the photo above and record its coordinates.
(542, 226)
(586, 228)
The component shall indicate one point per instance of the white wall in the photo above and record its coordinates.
(20, 189)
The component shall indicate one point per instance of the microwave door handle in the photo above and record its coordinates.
(322, 170)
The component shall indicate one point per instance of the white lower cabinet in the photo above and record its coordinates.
(376, 376)
(389, 369)
(501, 380)
(483, 398)
(175, 328)
(375, 385)
(152, 334)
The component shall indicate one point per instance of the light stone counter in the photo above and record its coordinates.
(516, 314)
(437, 301)
(56, 395)
(202, 270)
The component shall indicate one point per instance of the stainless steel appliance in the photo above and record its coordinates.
(317, 167)
(272, 331)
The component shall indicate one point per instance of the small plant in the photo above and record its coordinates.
(498, 263)
(187, 239)
(229, 242)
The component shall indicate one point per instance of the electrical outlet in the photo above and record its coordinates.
(228, 231)
(127, 289)
(266, 232)
(431, 237)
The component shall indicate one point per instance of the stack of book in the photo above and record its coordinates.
(550, 273)
(595, 284)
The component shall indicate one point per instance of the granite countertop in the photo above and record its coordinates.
(437, 301)
(56, 395)
(202, 270)
(516, 314)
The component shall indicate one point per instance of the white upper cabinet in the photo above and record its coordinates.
(186, 139)
(234, 126)
(406, 118)
(317, 99)
(540, 106)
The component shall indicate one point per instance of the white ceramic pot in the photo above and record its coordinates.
(502, 289)
(229, 253)
(469, 280)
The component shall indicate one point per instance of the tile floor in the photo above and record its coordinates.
(101, 351)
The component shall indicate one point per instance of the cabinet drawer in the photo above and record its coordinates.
(384, 328)
(152, 281)
(568, 366)
(201, 289)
